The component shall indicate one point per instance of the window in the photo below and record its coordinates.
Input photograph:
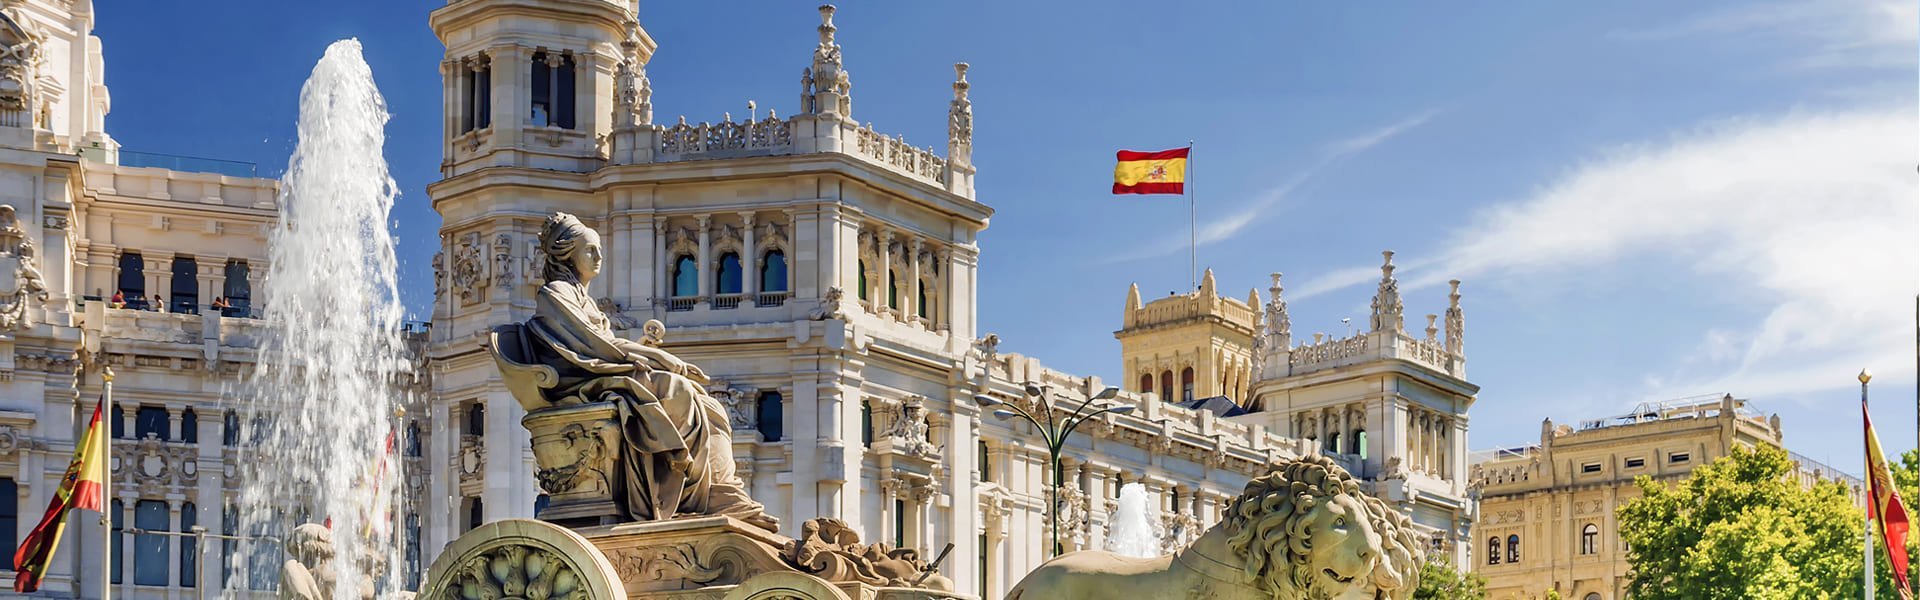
(230, 432)
(413, 552)
(1678, 457)
(1360, 443)
(9, 516)
(866, 423)
(1635, 463)
(540, 503)
(862, 288)
(237, 289)
(119, 423)
(985, 462)
(150, 420)
(189, 426)
(1166, 386)
(413, 439)
(189, 552)
(1186, 384)
(476, 513)
(770, 416)
(727, 280)
(1588, 535)
(899, 523)
(773, 272)
(476, 97)
(133, 280)
(1513, 548)
(1592, 467)
(686, 277)
(1146, 383)
(119, 526)
(259, 429)
(150, 549)
(1333, 443)
(893, 290)
(552, 90)
(1493, 550)
(476, 419)
(920, 300)
(230, 528)
(185, 287)
(984, 549)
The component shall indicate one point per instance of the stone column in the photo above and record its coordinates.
(513, 93)
(662, 263)
(886, 281)
(750, 261)
(963, 482)
(912, 292)
(705, 260)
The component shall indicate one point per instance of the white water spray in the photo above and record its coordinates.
(1132, 531)
(321, 406)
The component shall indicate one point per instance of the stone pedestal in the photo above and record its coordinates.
(689, 558)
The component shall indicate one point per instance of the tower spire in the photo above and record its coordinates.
(1133, 304)
(1456, 322)
(826, 88)
(1387, 309)
(1279, 325)
(633, 100)
(960, 119)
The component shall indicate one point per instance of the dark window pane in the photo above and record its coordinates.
(189, 426)
(150, 420)
(133, 279)
(413, 439)
(119, 525)
(186, 286)
(727, 281)
(686, 277)
(542, 108)
(1166, 386)
(476, 419)
(189, 547)
(9, 517)
(563, 103)
(770, 416)
(119, 424)
(476, 514)
(863, 280)
(773, 272)
(150, 564)
(237, 289)
(920, 302)
(230, 436)
(893, 290)
(866, 423)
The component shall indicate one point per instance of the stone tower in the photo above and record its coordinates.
(1189, 346)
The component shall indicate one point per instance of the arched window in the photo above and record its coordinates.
(1146, 383)
(770, 416)
(1166, 386)
(476, 419)
(133, 279)
(150, 549)
(1333, 443)
(862, 288)
(1186, 384)
(1513, 548)
(189, 426)
(230, 434)
(476, 513)
(920, 300)
(686, 277)
(893, 289)
(727, 280)
(1493, 550)
(1360, 443)
(773, 271)
(237, 289)
(189, 553)
(1589, 535)
(185, 289)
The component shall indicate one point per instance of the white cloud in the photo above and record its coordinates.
(1812, 216)
(1264, 205)
(1828, 34)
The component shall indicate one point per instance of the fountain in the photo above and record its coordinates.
(320, 405)
(1132, 530)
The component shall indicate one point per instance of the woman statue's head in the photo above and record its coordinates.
(572, 249)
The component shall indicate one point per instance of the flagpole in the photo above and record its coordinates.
(1867, 453)
(106, 486)
(1193, 227)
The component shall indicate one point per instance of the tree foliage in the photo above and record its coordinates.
(1440, 581)
(1743, 527)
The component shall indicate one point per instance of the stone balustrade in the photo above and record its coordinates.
(1365, 347)
(181, 186)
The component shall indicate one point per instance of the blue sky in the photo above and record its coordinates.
(1646, 200)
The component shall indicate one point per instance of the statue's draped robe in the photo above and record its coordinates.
(677, 456)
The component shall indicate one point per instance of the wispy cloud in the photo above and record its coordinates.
(1828, 34)
(1264, 205)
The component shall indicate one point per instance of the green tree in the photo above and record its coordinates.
(1440, 581)
(1743, 527)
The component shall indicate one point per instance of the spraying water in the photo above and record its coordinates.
(1132, 531)
(322, 402)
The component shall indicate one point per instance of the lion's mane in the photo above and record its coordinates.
(1267, 527)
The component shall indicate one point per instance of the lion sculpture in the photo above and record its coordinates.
(1302, 532)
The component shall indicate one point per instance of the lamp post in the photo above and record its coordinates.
(1053, 431)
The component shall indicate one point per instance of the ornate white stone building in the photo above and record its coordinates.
(824, 274)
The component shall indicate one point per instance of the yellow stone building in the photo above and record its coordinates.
(1189, 346)
(1546, 518)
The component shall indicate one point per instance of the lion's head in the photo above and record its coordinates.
(1307, 531)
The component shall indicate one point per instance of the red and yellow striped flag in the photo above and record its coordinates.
(1884, 506)
(1163, 172)
(84, 486)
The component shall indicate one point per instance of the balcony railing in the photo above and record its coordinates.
(194, 164)
(681, 304)
(771, 298)
(727, 301)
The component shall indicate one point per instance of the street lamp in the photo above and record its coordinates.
(1053, 432)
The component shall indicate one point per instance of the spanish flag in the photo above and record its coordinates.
(1163, 172)
(1883, 505)
(84, 486)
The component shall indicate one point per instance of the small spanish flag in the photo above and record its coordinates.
(1163, 172)
(84, 486)
(1883, 501)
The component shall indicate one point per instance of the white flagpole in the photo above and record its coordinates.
(106, 486)
(1868, 454)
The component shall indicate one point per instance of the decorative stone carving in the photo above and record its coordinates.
(471, 459)
(829, 306)
(1375, 554)
(20, 280)
(739, 403)
(20, 63)
(503, 260)
(674, 449)
(909, 429)
(829, 549)
(960, 119)
(520, 558)
(988, 346)
(469, 270)
(440, 274)
(1388, 311)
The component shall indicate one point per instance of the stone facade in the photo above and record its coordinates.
(1191, 346)
(1546, 518)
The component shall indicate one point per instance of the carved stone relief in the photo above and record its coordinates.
(469, 269)
(20, 281)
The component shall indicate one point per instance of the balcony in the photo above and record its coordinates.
(684, 304)
(190, 164)
(727, 301)
(764, 299)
